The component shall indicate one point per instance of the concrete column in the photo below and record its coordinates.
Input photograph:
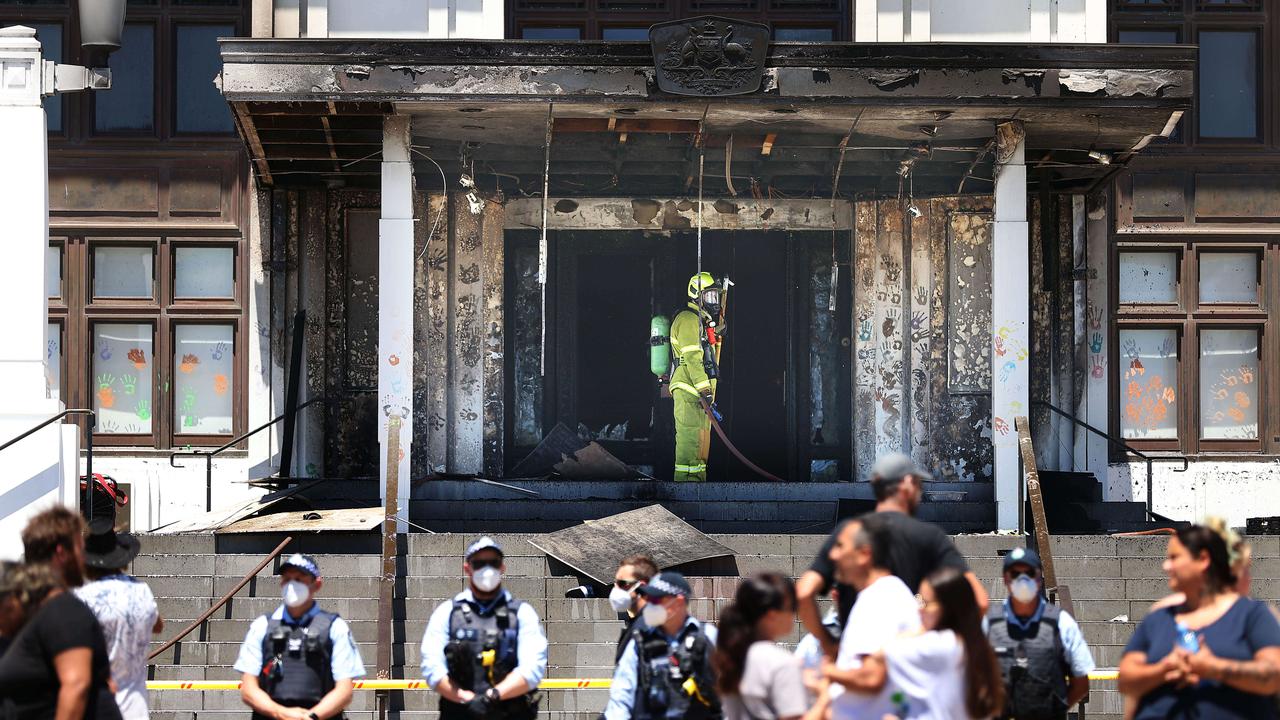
(1010, 316)
(42, 469)
(395, 304)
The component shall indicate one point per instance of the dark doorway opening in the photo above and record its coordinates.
(785, 368)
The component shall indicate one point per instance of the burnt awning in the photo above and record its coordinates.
(311, 111)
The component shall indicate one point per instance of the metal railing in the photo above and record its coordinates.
(1118, 443)
(208, 455)
(221, 601)
(88, 448)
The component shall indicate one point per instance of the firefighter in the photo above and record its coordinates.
(484, 651)
(695, 342)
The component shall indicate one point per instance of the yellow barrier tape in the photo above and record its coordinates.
(548, 684)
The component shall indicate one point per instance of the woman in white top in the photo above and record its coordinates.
(757, 679)
(948, 671)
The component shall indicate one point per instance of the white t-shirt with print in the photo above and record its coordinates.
(883, 611)
(928, 670)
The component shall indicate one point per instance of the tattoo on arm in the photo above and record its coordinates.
(1251, 671)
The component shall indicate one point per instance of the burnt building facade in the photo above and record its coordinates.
(926, 240)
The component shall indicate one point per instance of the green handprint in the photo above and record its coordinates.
(130, 383)
(189, 419)
(105, 380)
(143, 409)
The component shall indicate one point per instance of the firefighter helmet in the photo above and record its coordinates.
(700, 282)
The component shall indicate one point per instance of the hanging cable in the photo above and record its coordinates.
(444, 188)
(542, 242)
(835, 188)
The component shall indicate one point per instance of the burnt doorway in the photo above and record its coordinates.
(784, 386)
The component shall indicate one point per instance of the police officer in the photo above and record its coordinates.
(484, 651)
(299, 662)
(665, 671)
(1043, 656)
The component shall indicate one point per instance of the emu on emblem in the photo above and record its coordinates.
(709, 56)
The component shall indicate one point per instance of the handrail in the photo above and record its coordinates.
(1115, 442)
(88, 448)
(208, 455)
(221, 601)
(1041, 525)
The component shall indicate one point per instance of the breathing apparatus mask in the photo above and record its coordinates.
(709, 299)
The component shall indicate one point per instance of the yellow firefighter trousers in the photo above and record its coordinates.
(692, 424)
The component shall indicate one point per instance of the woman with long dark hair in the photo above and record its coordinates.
(1216, 654)
(757, 679)
(948, 671)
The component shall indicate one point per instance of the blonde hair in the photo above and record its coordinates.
(1239, 553)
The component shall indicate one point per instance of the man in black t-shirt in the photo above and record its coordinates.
(916, 548)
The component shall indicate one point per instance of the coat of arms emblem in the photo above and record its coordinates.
(709, 56)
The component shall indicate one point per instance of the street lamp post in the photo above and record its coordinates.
(45, 467)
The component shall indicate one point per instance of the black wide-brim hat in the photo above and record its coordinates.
(106, 549)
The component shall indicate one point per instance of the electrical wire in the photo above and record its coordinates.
(444, 188)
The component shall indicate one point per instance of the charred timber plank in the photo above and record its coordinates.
(250, 134)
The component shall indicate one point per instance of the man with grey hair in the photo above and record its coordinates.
(915, 548)
(884, 610)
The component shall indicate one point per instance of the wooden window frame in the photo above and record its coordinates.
(1190, 318)
(79, 313)
(1189, 19)
(165, 16)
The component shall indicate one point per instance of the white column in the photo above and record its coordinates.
(39, 470)
(395, 303)
(1010, 316)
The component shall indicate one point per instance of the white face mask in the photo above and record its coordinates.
(295, 593)
(654, 614)
(619, 599)
(487, 579)
(1024, 589)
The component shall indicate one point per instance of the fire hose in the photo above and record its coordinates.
(715, 424)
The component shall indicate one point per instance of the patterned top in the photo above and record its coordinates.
(127, 611)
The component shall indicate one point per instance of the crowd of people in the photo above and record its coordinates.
(910, 634)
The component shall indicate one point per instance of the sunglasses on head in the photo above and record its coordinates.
(480, 563)
(626, 584)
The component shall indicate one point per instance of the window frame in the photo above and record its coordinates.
(1189, 19)
(592, 19)
(79, 314)
(78, 109)
(1190, 319)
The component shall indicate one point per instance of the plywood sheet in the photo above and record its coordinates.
(595, 547)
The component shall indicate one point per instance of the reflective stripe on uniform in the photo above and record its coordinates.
(686, 387)
(689, 348)
(691, 468)
(704, 385)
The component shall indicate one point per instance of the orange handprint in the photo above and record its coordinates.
(1242, 399)
(220, 384)
(189, 363)
(138, 357)
(106, 398)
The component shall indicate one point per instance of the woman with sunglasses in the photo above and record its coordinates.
(756, 678)
(948, 671)
(1215, 655)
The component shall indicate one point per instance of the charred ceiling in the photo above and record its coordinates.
(895, 118)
